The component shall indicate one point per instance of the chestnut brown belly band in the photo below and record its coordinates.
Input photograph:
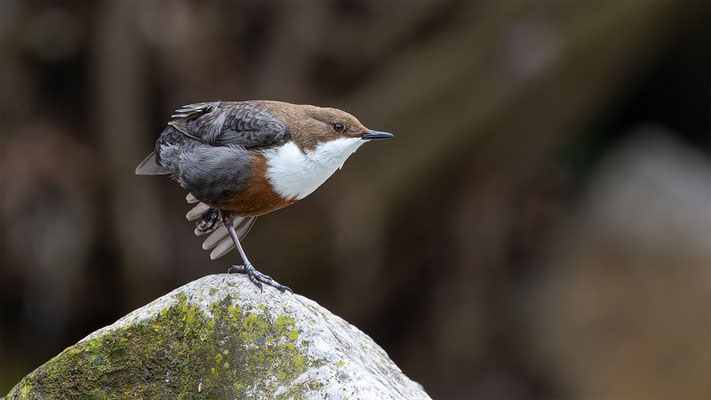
(259, 198)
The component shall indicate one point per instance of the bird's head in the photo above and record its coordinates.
(329, 136)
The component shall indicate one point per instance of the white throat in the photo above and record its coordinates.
(295, 174)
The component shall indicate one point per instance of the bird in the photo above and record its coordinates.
(240, 160)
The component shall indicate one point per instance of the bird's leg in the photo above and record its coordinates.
(255, 276)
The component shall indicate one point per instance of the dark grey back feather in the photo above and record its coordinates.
(247, 124)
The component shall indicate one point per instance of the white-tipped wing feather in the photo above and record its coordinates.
(216, 236)
(224, 247)
(197, 211)
(219, 237)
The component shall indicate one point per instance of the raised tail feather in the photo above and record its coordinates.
(150, 166)
(208, 221)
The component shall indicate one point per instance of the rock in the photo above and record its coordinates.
(220, 338)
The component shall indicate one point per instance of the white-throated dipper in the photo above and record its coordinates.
(240, 160)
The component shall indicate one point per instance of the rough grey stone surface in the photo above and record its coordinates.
(219, 337)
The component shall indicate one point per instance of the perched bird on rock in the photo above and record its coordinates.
(240, 160)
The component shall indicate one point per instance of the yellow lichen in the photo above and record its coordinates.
(182, 342)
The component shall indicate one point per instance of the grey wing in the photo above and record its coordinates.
(247, 124)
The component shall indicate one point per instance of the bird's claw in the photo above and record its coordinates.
(258, 278)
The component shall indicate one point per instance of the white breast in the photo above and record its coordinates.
(295, 174)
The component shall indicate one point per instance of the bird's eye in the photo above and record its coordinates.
(338, 127)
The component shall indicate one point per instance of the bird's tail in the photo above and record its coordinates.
(150, 166)
(208, 221)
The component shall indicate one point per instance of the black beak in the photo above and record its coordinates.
(377, 135)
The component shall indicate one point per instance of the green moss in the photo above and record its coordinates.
(228, 354)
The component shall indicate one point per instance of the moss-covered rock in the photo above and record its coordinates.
(220, 338)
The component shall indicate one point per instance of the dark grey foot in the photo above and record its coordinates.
(210, 218)
(257, 277)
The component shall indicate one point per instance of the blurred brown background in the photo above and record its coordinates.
(540, 226)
